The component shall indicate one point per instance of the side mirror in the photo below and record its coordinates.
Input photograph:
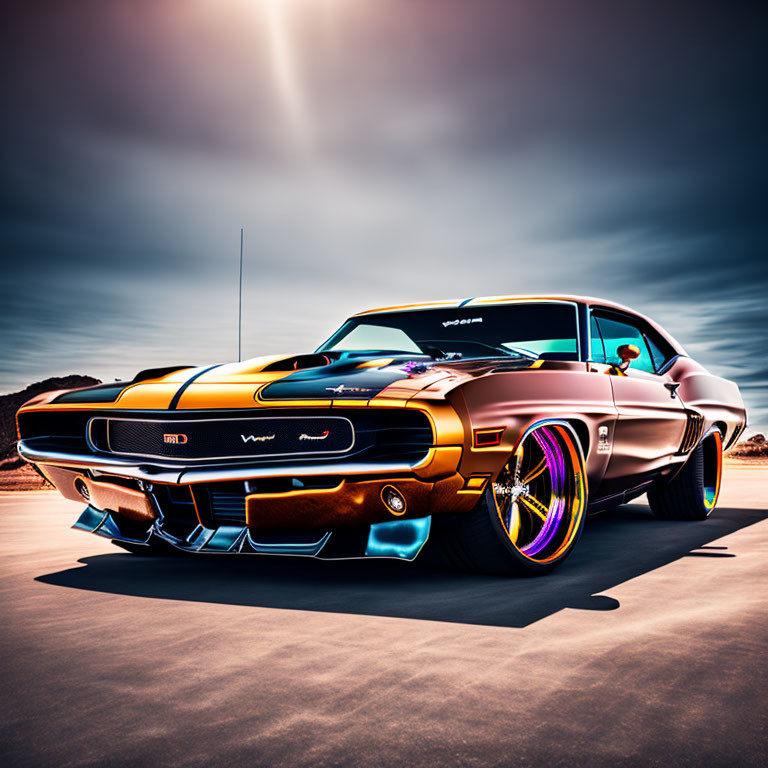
(627, 353)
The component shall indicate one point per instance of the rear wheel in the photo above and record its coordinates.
(529, 520)
(693, 491)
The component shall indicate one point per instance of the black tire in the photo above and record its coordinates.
(692, 493)
(480, 542)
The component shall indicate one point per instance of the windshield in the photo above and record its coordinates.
(525, 329)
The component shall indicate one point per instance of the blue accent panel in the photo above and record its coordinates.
(90, 519)
(199, 538)
(400, 538)
(109, 529)
(227, 538)
(465, 302)
(115, 527)
(104, 523)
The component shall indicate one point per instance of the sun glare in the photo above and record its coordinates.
(285, 65)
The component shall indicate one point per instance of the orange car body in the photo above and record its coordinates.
(194, 454)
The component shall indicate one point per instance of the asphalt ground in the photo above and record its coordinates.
(648, 647)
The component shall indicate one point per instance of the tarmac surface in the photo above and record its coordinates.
(647, 647)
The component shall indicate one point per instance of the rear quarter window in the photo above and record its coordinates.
(658, 355)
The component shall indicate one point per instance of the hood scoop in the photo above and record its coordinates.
(297, 363)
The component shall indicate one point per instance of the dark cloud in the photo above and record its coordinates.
(431, 147)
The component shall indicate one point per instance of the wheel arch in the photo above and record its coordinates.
(581, 431)
(567, 423)
(720, 426)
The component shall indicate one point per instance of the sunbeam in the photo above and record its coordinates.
(284, 64)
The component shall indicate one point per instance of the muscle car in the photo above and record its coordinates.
(479, 433)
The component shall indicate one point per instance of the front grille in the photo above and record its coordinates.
(693, 429)
(207, 439)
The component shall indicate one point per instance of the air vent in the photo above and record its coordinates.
(298, 363)
(228, 506)
(735, 436)
(692, 434)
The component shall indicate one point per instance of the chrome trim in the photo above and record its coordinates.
(547, 421)
(709, 433)
(668, 364)
(182, 422)
(204, 476)
(119, 467)
(286, 548)
(182, 475)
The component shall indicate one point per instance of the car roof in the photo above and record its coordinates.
(491, 300)
(485, 301)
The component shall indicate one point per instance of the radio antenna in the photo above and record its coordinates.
(240, 305)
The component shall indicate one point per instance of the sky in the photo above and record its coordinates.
(375, 152)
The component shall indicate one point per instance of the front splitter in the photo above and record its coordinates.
(398, 539)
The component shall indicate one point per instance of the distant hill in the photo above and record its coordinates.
(15, 472)
(755, 447)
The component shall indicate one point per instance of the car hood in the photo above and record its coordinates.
(358, 376)
(279, 380)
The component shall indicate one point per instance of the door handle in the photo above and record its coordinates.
(672, 387)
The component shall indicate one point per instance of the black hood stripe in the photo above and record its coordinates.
(341, 380)
(180, 391)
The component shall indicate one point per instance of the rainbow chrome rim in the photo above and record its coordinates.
(540, 494)
(713, 469)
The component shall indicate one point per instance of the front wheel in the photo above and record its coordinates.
(692, 493)
(529, 520)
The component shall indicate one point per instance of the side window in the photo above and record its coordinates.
(659, 358)
(597, 348)
(615, 333)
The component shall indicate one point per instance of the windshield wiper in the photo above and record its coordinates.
(508, 351)
(439, 354)
(521, 352)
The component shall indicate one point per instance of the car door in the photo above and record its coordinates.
(651, 417)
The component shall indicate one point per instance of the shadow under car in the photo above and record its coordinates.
(615, 547)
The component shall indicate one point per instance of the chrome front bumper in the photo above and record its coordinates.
(161, 472)
(434, 481)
